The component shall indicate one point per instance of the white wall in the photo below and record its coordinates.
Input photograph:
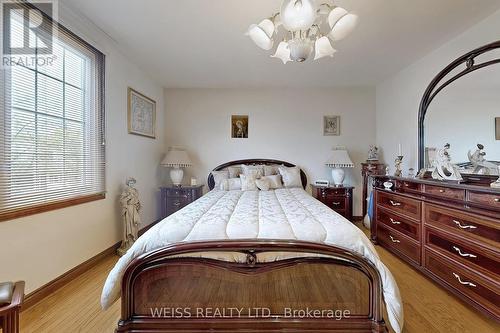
(39, 248)
(398, 97)
(284, 124)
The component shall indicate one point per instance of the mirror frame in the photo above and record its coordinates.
(437, 85)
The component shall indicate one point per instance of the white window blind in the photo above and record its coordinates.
(52, 127)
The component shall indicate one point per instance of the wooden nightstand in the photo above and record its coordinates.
(174, 198)
(337, 198)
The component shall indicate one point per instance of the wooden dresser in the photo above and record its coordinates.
(174, 198)
(337, 198)
(449, 232)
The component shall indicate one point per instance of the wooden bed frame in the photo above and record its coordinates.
(317, 288)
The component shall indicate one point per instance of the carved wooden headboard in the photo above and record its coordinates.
(211, 182)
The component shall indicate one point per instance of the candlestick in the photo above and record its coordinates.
(400, 150)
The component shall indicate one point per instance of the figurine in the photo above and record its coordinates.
(443, 168)
(496, 184)
(129, 200)
(398, 162)
(479, 163)
(387, 170)
(373, 153)
(411, 173)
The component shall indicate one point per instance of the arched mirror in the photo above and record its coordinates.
(461, 107)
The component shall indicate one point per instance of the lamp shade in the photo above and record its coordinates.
(176, 157)
(298, 14)
(283, 52)
(340, 159)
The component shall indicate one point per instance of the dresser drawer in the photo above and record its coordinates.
(464, 281)
(400, 204)
(401, 224)
(445, 192)
(407, 185)
(492, 200)
(467, 254)
(329, 192)
(470, 226)
(399, 243)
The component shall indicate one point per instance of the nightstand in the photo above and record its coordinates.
(174, 198)
(337, 198)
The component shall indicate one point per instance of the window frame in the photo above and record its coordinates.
(100, 60)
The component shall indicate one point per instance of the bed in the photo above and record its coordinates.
(254, 261)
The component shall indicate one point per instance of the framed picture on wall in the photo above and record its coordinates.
(497, 128)
(331, 125)
(239, 127)
(141, 114)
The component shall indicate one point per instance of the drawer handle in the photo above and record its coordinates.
(394, 203)
(461, 226)
(496, 199)
(394, 222)
(442, 191)
(176, 203)
(336, 203)
(463, 254)
(465, 283)
(394, 240)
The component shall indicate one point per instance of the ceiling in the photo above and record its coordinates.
(201, 43)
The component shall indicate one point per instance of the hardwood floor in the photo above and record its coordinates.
(75, 307)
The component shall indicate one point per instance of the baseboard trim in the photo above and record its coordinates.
(50, 287)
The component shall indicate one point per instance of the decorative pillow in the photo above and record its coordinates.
(274, 181)
(253, 170)
(219, 176)
(248, 183)
(271, 170)
(291, 176)
(263, 184)
(230, 184)
(234, 171)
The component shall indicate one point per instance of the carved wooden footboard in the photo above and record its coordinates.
(321, 289)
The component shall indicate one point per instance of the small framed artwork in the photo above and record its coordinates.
(141, 114)
(331, 125)
(497, 128)
(239, 127)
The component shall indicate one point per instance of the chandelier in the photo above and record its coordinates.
(308, 26)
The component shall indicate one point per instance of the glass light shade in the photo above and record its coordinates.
(283, 52)
(300, 49)
(335, 15)
(323, 48)
(344, 26)
(262, 33)
(298, 14)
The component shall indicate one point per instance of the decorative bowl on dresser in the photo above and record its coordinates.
(448, 231)
(337, 198)
(174, 198)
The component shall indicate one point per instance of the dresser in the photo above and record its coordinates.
(337, 198)
(368, 169)
(174, 198)
(448, 231)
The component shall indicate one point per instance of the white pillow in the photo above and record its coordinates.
(256, 171)
(230, 184)
(290, 176)
(274, 181)
(234, 171)
(248, 183)
(271, 170)
(219, 176)
(263, 184)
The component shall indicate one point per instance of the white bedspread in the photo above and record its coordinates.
(280, 214)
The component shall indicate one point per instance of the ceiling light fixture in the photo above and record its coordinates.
(303, 21)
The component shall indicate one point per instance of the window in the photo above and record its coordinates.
(52, 126)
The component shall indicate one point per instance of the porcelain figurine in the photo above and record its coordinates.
(479, 163)
(398, 164)
(129, 200)
(443, 168)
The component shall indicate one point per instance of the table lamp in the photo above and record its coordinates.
(176, 159)
(339, 160)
